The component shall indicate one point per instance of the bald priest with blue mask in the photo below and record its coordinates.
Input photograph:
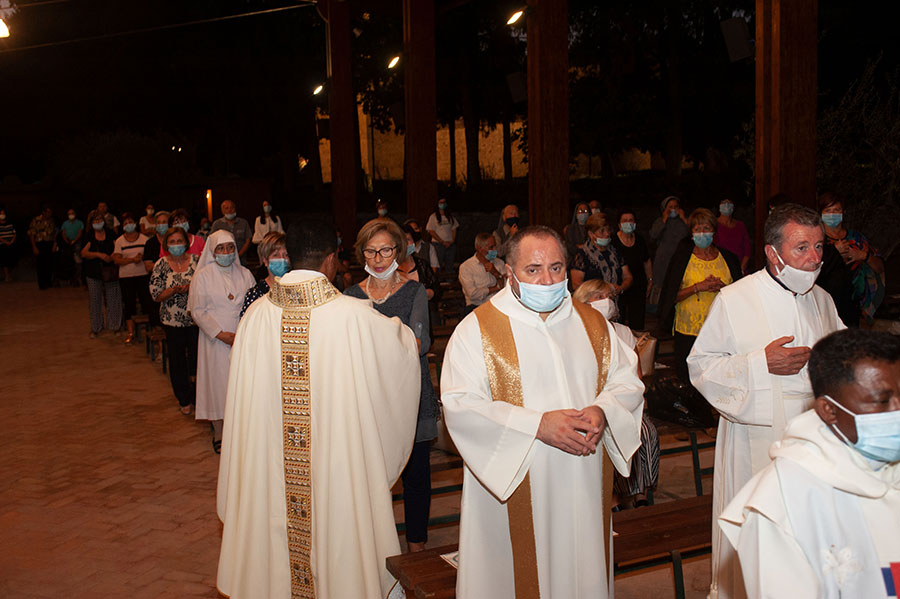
(823, 519)
(542, 400)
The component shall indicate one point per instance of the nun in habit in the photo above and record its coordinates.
(215, 300)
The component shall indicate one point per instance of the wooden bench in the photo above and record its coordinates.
(141, 322)
(645, 537)
(152, 339)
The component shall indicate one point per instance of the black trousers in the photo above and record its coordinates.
(632, 307)
(417, 492)
(134, 290)
(44, 264)
(182, 343)
(683, 345)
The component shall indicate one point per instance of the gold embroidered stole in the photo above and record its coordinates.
(297, 302)
(504, 376)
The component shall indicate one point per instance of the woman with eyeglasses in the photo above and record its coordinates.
(381, 246)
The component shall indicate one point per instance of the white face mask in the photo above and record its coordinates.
(606, 307)
(798, 281)
(386, 273)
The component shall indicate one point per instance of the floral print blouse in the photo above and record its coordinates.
(173, 312)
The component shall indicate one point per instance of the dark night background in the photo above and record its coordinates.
(98, 119)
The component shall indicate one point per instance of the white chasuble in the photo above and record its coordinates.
(728, 366)
(497, 440)
(821, 521)
(349, 431)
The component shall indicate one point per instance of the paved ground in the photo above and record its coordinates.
(108, 491)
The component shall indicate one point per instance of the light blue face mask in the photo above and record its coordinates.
(161, 229)
(877, 435)
(177, 249)
(726, 208)
(582, 217)
(833, 219)
(703, 240)
(279, 266)
(673, 213)
(628, 228)
(185, 225)
(129, 228)
(542, 298)
(603, 241)
(491, 255)
(225, 259)
(410, 249)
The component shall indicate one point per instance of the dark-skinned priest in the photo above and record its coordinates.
(323, 396)
(542, 400)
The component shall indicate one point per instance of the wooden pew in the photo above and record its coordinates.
(645, 536)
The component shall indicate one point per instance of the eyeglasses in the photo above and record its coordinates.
(385, 252)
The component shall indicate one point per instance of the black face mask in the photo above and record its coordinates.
(415, 235)
(512, 221)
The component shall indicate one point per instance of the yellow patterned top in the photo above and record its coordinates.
(690, 313)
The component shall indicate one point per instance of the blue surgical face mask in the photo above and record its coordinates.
(542, 298)
(97, 226)
(225, 259)
(185, 225)
(726, 208)
(129, 228)
(603, 241)
(581, 217)
(832, 219)
(673, 213)
(279, 266)
(267, 209)
(231, 215)
(877, 435)
(161, 229)
(177, 249)
(703, 240)
(491, 255)
(628, 228)
(410, 249)
(442, 205)
(340, 241)
(382, 212)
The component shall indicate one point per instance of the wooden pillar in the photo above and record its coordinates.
(420, 95)
(786, 62)
(548, 112)
(342, 116)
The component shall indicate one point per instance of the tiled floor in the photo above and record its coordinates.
(108, 491)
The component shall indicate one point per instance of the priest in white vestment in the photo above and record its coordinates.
(321, 414)
(749, 362)
(214, 301)
(550, 443)
(822, 521)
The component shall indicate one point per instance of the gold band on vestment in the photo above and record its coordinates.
(502, 361)
(298, 301)
(598, 334)
(505, 379)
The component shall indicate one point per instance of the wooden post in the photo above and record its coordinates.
(548, 112)
(342, 116)
(786, 53)
(420, 94)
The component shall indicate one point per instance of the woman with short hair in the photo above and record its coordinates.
(697, 271)
(599, 259)
(170, 282)
(381, 246)
(273, 255)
